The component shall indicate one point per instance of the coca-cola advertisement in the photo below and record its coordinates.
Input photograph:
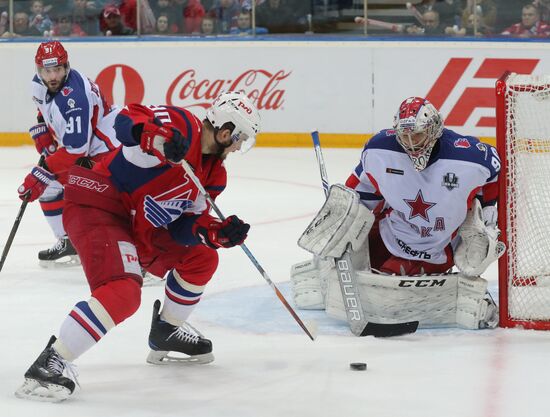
(342, 89)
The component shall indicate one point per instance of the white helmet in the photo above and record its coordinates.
(418, 115)
(237, 108)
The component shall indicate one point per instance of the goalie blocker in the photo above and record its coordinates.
(433, 300)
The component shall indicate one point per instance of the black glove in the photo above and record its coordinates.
(221, 234)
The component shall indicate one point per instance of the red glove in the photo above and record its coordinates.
(35, 183)
(43, 139)
(221, 234)
(166, 143)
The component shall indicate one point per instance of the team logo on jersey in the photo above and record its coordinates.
(462, 143)
(450, 180)
(71, 103)
(162, 212)
(66, 91)
(395, 171)
(419, 207)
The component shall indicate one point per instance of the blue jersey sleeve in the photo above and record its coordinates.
(74, 106)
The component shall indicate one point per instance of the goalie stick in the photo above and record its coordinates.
(189, 170)
(16, 223)
(359, 326)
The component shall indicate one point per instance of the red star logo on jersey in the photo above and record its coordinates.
(419, 207)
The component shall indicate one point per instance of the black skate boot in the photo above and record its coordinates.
(61, 254)
(44, 380)
(165, 338)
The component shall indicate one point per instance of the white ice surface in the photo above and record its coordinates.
(265, 366)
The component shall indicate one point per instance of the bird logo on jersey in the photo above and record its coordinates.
(419, 207)
(160, 213)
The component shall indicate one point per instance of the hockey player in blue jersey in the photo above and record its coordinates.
(75, 126)
(428, 196)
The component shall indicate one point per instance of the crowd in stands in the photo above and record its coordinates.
(71, 18)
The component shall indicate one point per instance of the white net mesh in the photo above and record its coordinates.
(528, 196)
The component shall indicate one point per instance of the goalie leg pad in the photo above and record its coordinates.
(475, 309)
(446, 300)
(309, 284)
(342, 220)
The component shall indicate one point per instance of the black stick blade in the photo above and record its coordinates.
(389, 330)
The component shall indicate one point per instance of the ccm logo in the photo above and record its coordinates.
(422, 283)
(245, 107)
(87, 183)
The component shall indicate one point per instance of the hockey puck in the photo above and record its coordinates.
(358, 366)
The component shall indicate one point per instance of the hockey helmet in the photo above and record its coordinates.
(418, 125)
(237, 108)
(51, 54)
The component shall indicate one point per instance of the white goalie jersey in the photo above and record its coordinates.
(423, 210)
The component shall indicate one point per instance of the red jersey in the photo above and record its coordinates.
(155, 193)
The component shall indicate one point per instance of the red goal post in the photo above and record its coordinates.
(523, 143)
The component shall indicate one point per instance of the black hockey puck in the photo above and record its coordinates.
(358, 366)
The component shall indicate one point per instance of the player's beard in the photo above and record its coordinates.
(54, 86)
(220, 149)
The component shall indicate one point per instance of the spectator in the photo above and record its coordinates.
(244, 25)
(38, 19)
(530, 26)
(449, 10)
(86, 15)
(544, 9)
(225, 13)
(113, 23)
(431, 27)
(163, 25)
(486, 9)
(507, 13)
(21, 27)
(162, 6)
(208, 26)
(469, 27)
(66, 27)
(193, 12)
(3, 21)
(278, 17)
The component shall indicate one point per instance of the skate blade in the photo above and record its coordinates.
(161, 357)
(64, 262)
(36, 391)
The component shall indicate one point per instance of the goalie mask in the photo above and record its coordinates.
(418, 125)
(52, 65)
(235, 107)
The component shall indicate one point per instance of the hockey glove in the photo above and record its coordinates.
(35, 183)
(221, 234)
(43, 140)
(166, 143)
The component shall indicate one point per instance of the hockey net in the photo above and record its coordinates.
(523, 142)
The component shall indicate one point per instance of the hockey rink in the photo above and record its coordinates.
(265, 365)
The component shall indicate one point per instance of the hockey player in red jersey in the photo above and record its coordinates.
(426, 196)
(138, 208)
(75, 126)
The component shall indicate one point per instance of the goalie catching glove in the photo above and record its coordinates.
(166, 143)
(479, 245)
(216, 233)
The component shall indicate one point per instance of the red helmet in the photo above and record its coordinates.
(51, 54)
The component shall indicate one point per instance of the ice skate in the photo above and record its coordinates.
(44, 380)
(164, 338)
(62, 254)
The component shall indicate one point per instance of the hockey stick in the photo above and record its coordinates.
(15, 226)
(281, 297)
(358, 324)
